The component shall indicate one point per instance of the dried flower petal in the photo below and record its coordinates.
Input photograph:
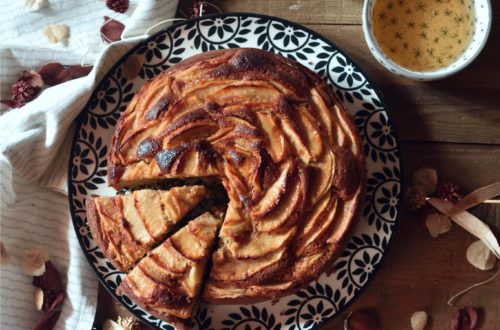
(480, 256)
(50, 280)
(427, 178)
(56, 73)
(437, 224)
(132, 66)
(111, 30)
(476, 197)
(418, 320)
(128, 323)
(4, 255)
(470, 223)
(465, 319)
(56, 32)
(33, 262)
(111, 325)
(35, 5)
(415, 195)
(38, 299)
(120, 6)
(360, 321)
(33, 78)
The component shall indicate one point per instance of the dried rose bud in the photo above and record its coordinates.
(415, 195)
(449, 191)
(33, 261)
(120, 6)
(24, 89)
(465, 319)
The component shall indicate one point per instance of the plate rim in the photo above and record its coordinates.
(78, 121)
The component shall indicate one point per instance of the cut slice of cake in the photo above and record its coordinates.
(167, 281)
(127, 226)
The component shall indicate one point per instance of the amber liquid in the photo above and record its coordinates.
(423, 35)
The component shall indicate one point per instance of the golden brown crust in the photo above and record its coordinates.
(279, 140)
(167, 282)
(126, 227)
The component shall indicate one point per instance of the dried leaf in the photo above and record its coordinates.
(480, 256)
(33, 261)
(132, 66)
(56, 32)
(470, 223)
(418, 320)
(437, 224)
(465, 319)
(476, 197)
(427, 178)
(111, 30)
(56, 73)
(4, 255)
(360, 321)
(35, 5)
(38, 299)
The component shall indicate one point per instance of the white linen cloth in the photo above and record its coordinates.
(34, 145)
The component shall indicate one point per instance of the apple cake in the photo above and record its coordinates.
(127, 226)
(167, 281)
(278, 140)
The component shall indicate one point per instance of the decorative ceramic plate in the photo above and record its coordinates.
(320, 301)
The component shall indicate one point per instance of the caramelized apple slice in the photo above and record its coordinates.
(322, 176)
(283, 214)
(226, 268)
(259, 244)
(318, 222)
(276, 143)
(273, 194)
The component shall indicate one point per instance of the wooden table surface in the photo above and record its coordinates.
(452, 125)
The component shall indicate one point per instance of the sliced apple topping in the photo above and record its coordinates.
(283, 214)
(322, 176)
(275, 141)
(273, 195)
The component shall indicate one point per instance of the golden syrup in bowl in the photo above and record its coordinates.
(423, 35)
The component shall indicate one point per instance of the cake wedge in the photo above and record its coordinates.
(126, 227)
(167, 282)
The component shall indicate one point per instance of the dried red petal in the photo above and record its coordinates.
(120, 6)
(111, 30)
(48, 321)
(10, 103)
(362, 321)
(56, 73)
(465, 319)
(50, 280)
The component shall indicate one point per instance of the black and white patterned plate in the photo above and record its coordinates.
(320, 301)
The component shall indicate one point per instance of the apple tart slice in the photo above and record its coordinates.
(126, 227)
(167, 281)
